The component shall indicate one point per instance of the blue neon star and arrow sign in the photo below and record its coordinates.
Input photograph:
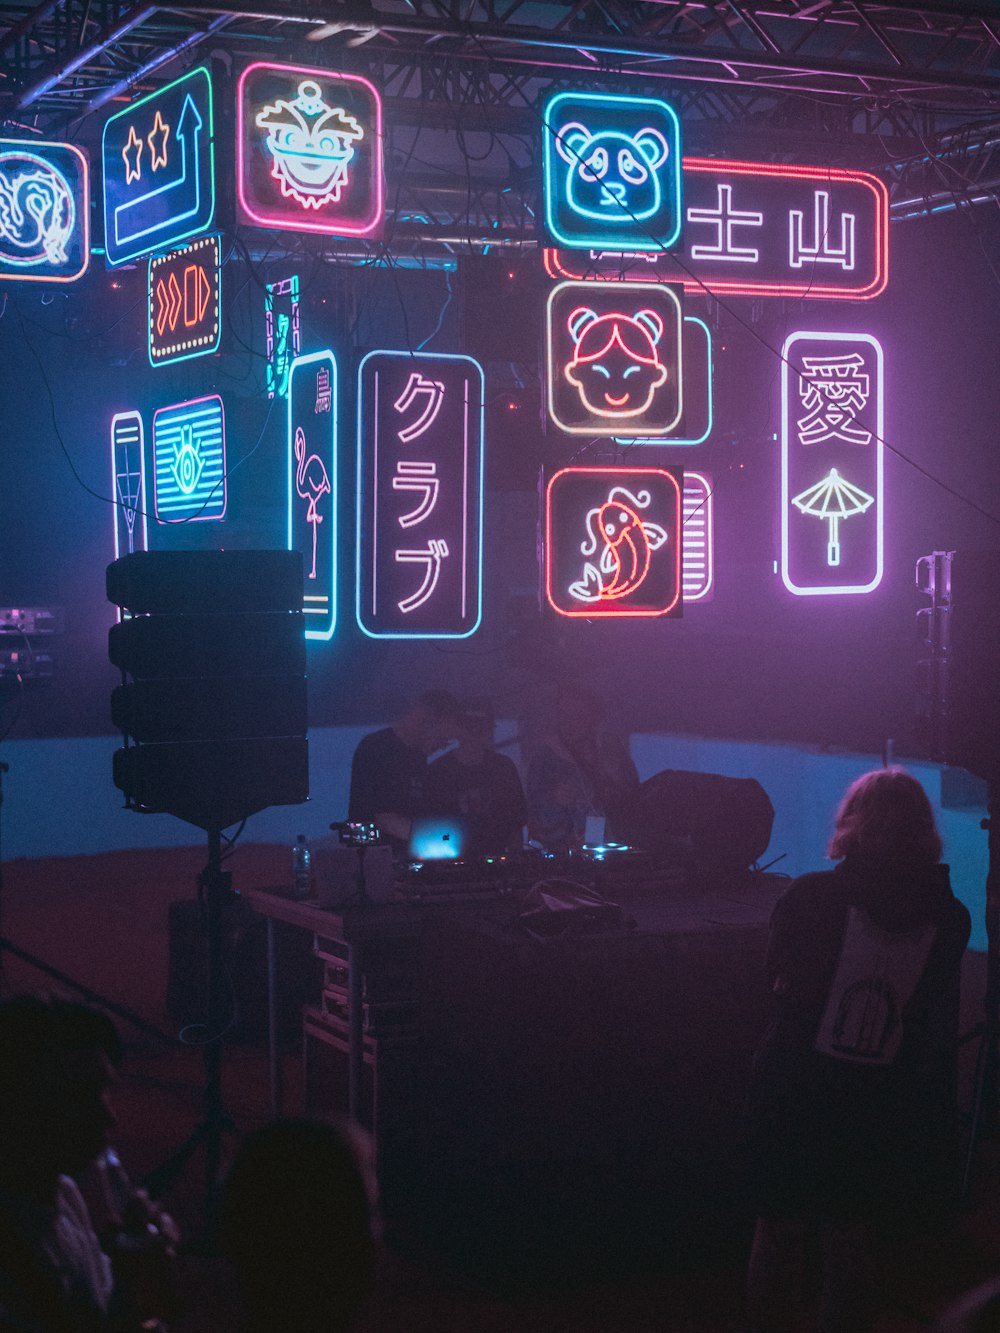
(159, 177)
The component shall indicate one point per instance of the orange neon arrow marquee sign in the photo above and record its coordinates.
(185, 305)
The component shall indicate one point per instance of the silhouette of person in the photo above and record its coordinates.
(852, 1108)
(577, 772)
(389, 767)
(298, 1226)
(57, 1068)
(481, 786)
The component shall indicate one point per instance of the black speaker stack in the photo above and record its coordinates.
(958, 706)
(212, 704)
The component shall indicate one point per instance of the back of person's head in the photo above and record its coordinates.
(56, 1061)
(441, 705)
(433, 718)
(885, 816)
(476, 717)
(298, 1225)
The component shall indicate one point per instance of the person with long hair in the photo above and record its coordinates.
(852, 1110)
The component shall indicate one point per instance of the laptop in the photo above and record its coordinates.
(437, 838)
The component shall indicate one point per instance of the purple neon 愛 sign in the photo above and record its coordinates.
(832, 504)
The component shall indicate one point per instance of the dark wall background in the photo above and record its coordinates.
(754, 662)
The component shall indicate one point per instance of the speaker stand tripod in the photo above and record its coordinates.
(214, 893)
(983, 1114)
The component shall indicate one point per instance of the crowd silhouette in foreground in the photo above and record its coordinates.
(851, 1125)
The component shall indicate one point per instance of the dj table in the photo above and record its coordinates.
(493, 1065)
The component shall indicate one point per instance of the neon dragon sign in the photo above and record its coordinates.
(44, 212)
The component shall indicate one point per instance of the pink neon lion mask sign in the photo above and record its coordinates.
(309, 149)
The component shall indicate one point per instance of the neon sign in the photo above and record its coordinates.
(189, 461)
(281, 331)
(44, 211)
(159, 169)
(831, 463)
(698, 554)
(185, 302)
(309, 149)
(312, 485)
(696, 357)
(760, 229)
(612, 171)
(613, 542)
(420, 495)
(128, 480)
(613, 358)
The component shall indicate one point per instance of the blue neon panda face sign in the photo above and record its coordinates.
(612, 176)
(612, 172)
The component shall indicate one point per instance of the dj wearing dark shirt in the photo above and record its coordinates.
(481, 786)
(389, 768)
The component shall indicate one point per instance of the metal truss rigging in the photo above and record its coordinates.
(64, 54)
(895, 85)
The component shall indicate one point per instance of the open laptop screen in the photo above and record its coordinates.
(437, 838)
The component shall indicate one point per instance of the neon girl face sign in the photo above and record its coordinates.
(616, 366)
(614, 359)
(612, 545)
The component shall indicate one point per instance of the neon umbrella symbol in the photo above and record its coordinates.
(834, 499)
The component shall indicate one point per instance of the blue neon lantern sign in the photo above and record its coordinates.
(159, 169)
(698, 420)
(128, 479)
(612, 172)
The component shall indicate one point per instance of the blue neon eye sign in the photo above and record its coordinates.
(159, 169)
(44, 212)
(612, 172)
(189, 461)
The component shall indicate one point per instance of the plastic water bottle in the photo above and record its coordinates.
(301, 878)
